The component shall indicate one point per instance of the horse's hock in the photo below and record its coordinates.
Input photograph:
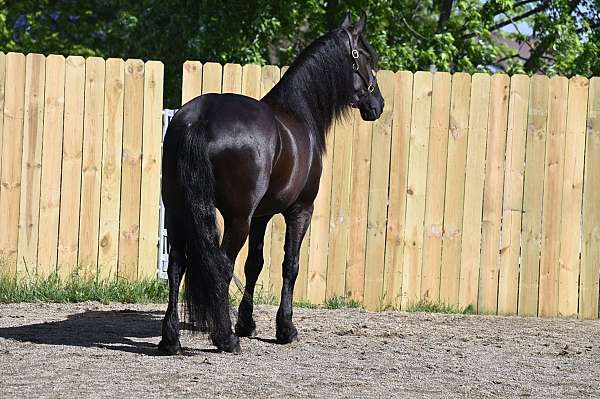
(472, 190)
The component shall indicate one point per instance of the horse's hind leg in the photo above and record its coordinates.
(297, 220)
(245, 326)
(169, 344)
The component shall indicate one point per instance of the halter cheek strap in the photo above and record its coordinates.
(370, 82)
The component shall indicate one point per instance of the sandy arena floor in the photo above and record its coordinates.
(93, 350)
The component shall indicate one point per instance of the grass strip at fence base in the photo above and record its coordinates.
(437, 307)
(52, 289)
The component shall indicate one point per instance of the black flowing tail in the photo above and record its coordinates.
(206, 291)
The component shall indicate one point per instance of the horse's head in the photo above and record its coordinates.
(366, 95)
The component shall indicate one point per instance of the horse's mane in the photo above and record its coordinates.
(318, 86)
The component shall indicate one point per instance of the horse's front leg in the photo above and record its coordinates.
(297, 220)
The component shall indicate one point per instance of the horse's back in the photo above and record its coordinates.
(241, 136)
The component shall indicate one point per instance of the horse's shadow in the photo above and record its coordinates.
(126, 330)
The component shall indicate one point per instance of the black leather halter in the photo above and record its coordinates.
(370, 82)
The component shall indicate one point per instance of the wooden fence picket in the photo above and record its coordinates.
(436, 187)
(31, 171)
(455, 188)
(417, 188)
(512, 207)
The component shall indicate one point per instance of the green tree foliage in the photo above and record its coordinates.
(549, 36)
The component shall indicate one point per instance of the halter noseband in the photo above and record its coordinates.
(370, 82)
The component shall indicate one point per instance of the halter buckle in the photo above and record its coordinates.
(355, 54)
(371, 88)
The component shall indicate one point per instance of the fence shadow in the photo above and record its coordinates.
(125, 330)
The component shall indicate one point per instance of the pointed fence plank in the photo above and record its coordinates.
(378, 196)
(70, 190)
(417, 188)
(340, 207)
(319, 232)
(11, 155)
(112, 149)
(492, 195)
(151, 166)
(455, 188)
(212, 78)
(191, 86)
(436, 187)
(394, 245)
(91, 166)
(572, 196)
(474, 181)
(553, 185)
(31, 170)
(232, 78)
(533, 193)
(359, 206)
(52, 154)
(512, 208)
(2, 98)
(131, 179)
(589, 286)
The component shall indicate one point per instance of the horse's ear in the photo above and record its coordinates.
(361, 24)
(347, 21)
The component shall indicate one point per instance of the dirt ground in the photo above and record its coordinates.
(93, 350)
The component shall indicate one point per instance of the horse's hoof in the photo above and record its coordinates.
(167, 349)
(229, 345)
(245, 331)
(287, 336)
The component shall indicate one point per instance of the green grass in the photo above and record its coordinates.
(342, 302)
(77, 289)
(438, 307)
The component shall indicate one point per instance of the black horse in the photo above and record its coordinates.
(252, 159)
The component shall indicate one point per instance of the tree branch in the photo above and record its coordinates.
(537, 55)
(510, 21)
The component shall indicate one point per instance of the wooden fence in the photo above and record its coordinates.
(480, 191)
(80, 165)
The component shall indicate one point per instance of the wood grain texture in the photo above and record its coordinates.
(93, 127)
(319, 231)
(31, 167)
(359, 206)
(553, 185)
(51, 164)
(12, 146)
(455, 188)
(191, 85)
(572, 196)
(512, 207)
(151, 166)
(589, 286)
(378, 196)
(339, 228)
(533, 193)
(436, 187)
(474, 181)
(70, 185)
(394, 239)
(112, 149)
(417, 188)
(131, 169)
